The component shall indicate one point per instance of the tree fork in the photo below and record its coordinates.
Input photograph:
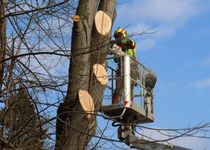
(74, 130)
(70, 130)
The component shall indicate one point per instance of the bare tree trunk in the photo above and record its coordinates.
(2, 40)
(71, 125)
(2, 49)
(102, 43)
(74, 129)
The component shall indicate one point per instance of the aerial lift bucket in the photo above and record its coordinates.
(126, 111)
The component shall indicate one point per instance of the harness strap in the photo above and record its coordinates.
(135, 61)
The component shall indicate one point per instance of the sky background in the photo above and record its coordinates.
(179, 52)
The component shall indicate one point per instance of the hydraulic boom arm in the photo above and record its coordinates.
(126, 134)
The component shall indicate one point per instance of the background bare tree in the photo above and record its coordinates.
(22, 127)
(35, 30)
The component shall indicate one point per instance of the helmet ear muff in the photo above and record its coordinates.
(124, 33)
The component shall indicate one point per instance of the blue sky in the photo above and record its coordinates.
(179, 52)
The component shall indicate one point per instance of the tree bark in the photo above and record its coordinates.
(101, 42)
(2, 40)
(72, 130)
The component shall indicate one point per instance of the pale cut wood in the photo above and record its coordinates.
(86, 102)
(100, 74)
(103, 22)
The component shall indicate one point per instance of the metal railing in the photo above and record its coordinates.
(142, 77)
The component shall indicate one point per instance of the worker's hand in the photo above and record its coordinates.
(113, 42)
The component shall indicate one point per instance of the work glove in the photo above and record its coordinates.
(113, 42)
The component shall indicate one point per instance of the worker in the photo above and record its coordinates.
(129, 47)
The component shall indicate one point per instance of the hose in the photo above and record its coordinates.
(115, 124)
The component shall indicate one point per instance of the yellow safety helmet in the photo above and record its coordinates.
(120, 32)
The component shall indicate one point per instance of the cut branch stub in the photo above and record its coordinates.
(86, 102)
(76, 18)
(100, 74)
(103, 22)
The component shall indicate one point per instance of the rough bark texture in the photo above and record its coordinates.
(2, 39)
(99, 57)
(74, 129)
